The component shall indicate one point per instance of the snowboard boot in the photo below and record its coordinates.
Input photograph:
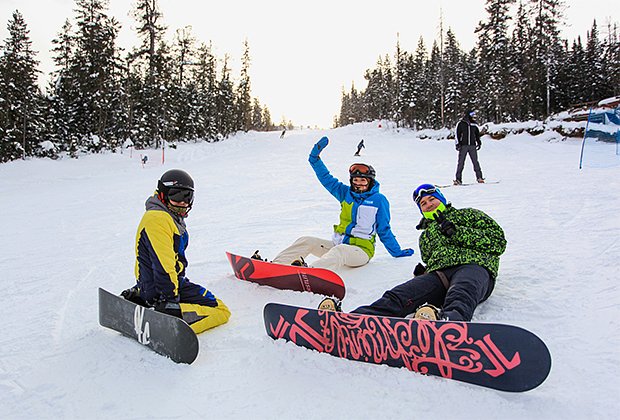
(133, 295)
(330, 304)
(457, 182)
(480, 180)
(256, 256)
(300, 262)
(427, 312)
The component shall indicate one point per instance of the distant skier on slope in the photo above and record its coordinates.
(461, 249)
(360, 146)
(468, 142)
(161, 241)
(365, 212)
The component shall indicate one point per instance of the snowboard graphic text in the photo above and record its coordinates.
(447, 346)
(138, 317)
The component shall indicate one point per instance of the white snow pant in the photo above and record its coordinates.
(330, 257)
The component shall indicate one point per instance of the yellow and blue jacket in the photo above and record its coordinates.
(161, 241)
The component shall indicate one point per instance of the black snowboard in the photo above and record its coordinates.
(165, 334)
(497, 356)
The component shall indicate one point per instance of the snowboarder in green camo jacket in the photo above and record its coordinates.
(461, 250)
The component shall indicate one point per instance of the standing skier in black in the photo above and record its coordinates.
(468, 143)
(360, 146)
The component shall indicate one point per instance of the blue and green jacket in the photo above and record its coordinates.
(362, 215)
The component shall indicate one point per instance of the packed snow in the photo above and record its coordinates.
(69, 228)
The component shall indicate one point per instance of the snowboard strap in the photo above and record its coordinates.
(443, 278)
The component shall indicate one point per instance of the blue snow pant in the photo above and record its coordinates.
(200, 308)
(469, 285)
(188, 293)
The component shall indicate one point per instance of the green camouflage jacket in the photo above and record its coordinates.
(478, 240)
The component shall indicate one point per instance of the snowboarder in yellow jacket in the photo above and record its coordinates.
(161, 241)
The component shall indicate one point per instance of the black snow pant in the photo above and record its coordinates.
(473, 154)
(469, 285)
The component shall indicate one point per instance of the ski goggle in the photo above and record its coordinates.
(359, 168)
(181, 195)
(422, 192)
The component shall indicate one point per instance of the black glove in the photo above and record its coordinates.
(458, 147)
(169, 308)
(419, 270)
(445, 226)
(478, 146)
(133, 295)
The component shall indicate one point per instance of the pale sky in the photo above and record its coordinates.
(302, 53)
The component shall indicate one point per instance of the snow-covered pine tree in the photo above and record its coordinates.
(521, 55)
(408, 90)
(419, 87)
(147, 67)
(21, 113)
(470, 87)
(225, 114)
(96, 73)
(257, 122)
(562, 96)
(494, 56)
(243, 94)
(61, 90)
(454, 72)
(576, 85)
(267, 119)
(185, 102)
(402, 97)
(597, 81)
(380, 92)
(612, 58)
(372, 93)
(546, 43)
(433, 79)
(205, 76)
(345, 110)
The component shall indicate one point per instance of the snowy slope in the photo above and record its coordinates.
(68, 228)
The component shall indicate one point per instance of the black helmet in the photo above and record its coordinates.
(362, 170)
(176, 185)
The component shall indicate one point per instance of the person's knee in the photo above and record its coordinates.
(304, 240)
(201, 318)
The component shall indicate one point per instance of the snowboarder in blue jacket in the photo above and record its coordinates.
(364, 214)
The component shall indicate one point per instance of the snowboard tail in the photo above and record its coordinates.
(164, 334)
(288, 277)
(497, 356)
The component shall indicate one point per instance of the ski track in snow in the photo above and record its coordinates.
(74, 229)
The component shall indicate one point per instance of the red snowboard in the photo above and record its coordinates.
(289, 277)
